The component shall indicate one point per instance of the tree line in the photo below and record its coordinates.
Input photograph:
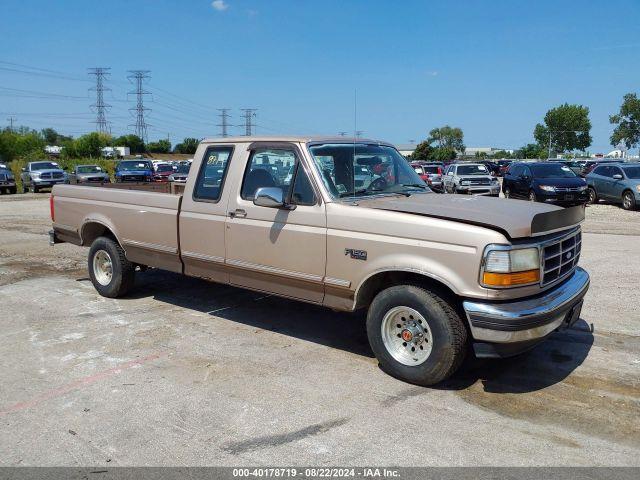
(29, 144)
(565, 129)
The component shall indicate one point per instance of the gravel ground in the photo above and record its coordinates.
(184, 372)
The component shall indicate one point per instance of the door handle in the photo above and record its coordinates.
(238, 213)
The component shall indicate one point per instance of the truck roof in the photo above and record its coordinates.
(293, 138)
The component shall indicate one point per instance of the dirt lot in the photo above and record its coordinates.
(189, 373)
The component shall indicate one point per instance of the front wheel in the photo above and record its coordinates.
(532, 196)
(416, 335)
(593, 196)
(507, 192)
(111, 273)
(628, 200)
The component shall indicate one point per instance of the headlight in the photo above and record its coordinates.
(582, 188)
(638, 188)
(505, 267)
(464, 182)
(547, 188)
(35, 174)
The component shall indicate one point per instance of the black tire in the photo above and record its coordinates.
(13, 190)
(532, 196)
(33, 188)
(447, 330)
(628, 200)
(593, 196)
(123, 271)
(507, 192)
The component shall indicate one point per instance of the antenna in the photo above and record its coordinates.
(355, 134)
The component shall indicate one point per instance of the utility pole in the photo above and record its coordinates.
(223, 121)
(100, 107)
(342, 134)
(138, 77)
(359, 133)
(11, 119)
(248, 115)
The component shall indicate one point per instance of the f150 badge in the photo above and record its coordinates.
(356, 254)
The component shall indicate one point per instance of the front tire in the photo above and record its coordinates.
(593, 196)
(532, 196)
(507, 192)
(628, 200)
(111, 273)
(416, 335)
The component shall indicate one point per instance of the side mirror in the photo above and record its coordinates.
(24, 169)
(271, 197)
(617, 176)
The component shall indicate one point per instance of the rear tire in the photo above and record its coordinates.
(416, 335)
(628, 200)
(111, 273)
(593, 196)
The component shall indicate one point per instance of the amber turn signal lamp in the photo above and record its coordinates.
(510, 279)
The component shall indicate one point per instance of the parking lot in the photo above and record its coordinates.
(185, 372)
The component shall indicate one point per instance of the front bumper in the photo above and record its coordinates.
(47, 182)
(561, 198)
(528, 320)
(479, 189)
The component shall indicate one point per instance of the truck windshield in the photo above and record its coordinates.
(472, 170)
(44, 166)
(361, 169)
(133, 166)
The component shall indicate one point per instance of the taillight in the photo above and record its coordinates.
(51, 207)
(439, 171)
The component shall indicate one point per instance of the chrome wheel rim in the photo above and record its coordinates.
(406, 336)
(626, 201)
(102, 267)
(592, 196)
(532, 197)
(507, 193)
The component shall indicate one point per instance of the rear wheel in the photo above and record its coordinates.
(593, 196)
(416, 335)
(111, 273)
(628, 200)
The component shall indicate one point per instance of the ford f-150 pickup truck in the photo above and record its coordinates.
(439, 275)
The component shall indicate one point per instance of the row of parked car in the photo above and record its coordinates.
(45, 174)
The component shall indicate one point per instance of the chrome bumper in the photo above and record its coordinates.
(531, 318)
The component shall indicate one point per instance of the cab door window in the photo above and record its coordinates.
(277, 168)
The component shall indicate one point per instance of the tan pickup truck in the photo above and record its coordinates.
(440, 275)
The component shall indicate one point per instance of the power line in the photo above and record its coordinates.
(248, 115)
(223, 121)
(100, 107)
(141, 126)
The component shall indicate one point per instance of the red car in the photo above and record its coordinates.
(162, 172)
(430, 173)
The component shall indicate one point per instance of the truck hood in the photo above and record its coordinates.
(49, 170)
(133, 172)
(96, 174)
(513, 218)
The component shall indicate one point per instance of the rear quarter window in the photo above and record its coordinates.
(212, 174)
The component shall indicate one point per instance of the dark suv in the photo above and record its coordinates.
(544, 182)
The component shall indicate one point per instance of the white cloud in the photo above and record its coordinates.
(219, 5)
(433, 73)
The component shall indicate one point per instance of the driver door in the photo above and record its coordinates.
(278, 250)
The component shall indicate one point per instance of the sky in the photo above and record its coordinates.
(392, 69)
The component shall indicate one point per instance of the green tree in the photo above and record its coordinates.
(89, 145)
(161, 146)
(530, 150)
(135, 143)
(51, 137)
(423, 151)
(627, 122)
(20, 143)
(441, 154)
(447, 137)
(188, 146)
(567, 127)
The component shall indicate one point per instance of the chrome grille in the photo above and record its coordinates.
(560, 257)
(568, 189)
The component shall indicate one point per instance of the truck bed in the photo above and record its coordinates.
(144, 222)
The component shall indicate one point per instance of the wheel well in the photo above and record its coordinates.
(378, 282)
(93, 230)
